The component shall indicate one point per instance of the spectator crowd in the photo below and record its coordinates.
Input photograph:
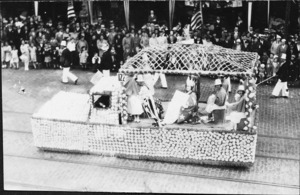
(36, 43)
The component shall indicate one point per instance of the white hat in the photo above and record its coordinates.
(283, 39)
(238, 40)
(105, 47)
(262, 65)
(145, 57)
(63, 43)
(241, 88)
(190, 82)
(278, 36)
(218, 82)
(275, 56)
(140, 78)
(283, 56)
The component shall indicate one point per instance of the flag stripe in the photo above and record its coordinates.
(71, 11)
(196, 20)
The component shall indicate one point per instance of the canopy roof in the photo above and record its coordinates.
(192, 59)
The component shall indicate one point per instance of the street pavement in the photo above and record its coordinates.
(276, 169)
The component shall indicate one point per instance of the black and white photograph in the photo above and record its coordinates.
(151, 96)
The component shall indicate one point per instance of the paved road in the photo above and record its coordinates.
(276, 170)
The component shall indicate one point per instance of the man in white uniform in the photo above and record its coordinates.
(65, 60)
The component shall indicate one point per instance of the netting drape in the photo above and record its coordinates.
(191, 58)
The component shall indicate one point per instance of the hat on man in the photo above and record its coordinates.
(262, 65)
(63, 43)
(278, 36)
(218, 82)
(105, 47)
(140, 78)
(238, 40)
(283, 56)
(266, 30)
(241, 88)
(275, 56)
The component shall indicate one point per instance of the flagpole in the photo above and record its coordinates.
(200, 4)
(249, 14)
(36, 8)
(268, 17)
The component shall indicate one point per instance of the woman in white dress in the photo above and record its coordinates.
(134, 102)
(24, 48)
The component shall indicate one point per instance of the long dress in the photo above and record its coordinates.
(32, 51)
(134, 102)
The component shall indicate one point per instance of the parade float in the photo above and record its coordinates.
(72, 122)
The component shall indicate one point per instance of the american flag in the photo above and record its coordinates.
(71, 12)
(197, 19)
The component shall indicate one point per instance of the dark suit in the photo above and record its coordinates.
(65, 59)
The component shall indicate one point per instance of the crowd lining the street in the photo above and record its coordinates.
(103, 45)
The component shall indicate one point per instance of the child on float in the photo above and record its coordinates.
(33, 58)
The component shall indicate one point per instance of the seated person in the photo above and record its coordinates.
(189, 109)
(237, 109)
(217, 100)
(240, 102)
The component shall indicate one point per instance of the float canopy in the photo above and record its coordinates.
(192, 59)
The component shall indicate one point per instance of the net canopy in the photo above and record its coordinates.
(192, 59)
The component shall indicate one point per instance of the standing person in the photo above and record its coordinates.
(153, 40)
(283, 76)
(48, 55)
(65, 61)
(14, 62)
(83, 58)
(136, 40)
(118, 46)
(7, 55)
(134, 104)
(127, 44)
(96, 60)
(24, 48)
(72, 48)
(106, 60)
(275, 45)
(152, 17)
(55, 58)
(82, 43)
(100, 44)
(284, 49)
(144, 40)
(32, 51)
